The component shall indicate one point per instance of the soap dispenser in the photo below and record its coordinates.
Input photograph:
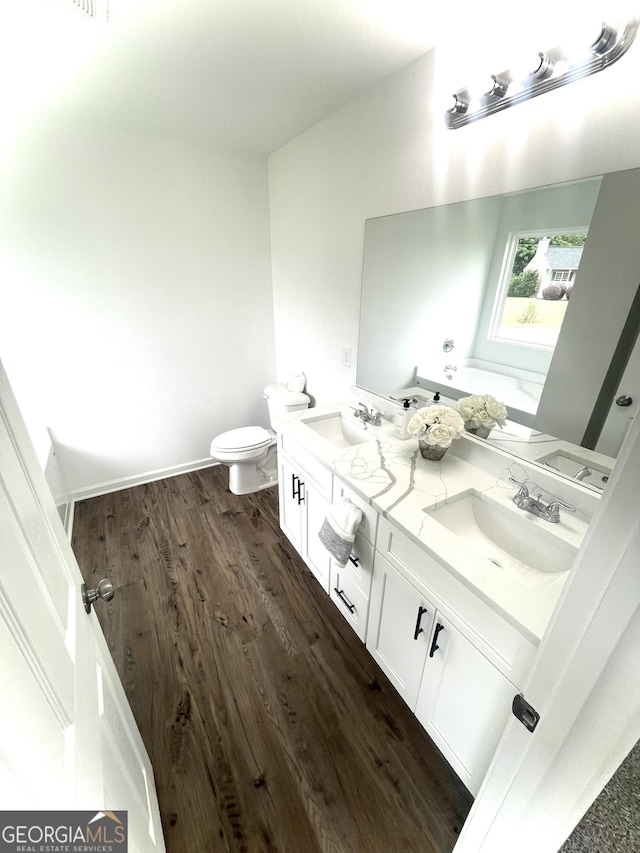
(401, 420)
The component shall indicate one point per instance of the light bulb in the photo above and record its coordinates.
(482, 85)
(588, 38)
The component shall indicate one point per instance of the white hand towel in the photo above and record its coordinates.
(339, 530)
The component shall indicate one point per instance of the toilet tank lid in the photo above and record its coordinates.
(242, 438)
(279, 393)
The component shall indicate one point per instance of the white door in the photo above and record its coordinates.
(464, 703)
(68, 739)
(314, 553)
(400, 624)
(620, 417)
(290, 492)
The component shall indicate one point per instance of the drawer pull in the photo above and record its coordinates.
(434, 644)
(297, 491)
(353, 560)
(419, 630)
(350, 607)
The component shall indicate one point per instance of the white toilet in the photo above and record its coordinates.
(250, 452)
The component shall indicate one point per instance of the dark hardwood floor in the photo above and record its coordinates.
(269, 726)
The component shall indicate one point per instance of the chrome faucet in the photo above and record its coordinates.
(523, 500)
(583, 473)
(366, 416)
(448, 367)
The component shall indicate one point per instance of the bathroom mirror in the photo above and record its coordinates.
(433, 278)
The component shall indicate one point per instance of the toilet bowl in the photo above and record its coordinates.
(250, 452)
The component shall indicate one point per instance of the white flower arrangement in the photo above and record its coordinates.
(437, 425)
(481, 410)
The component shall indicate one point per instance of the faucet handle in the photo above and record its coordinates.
(521, 498)
(524, 491)
(554, 506)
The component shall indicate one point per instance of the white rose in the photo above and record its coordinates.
(473, 421)
(464, 410)
(440, 434)
(476, 401)
(432, 414)
(452, 419)
(483, 418)
(496, 410)
(416, 425)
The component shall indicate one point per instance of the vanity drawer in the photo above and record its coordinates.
(500, 641)
(359, 568)
(350, 600)
(369, 523)
(319, 477)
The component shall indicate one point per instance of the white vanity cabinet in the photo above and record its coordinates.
(424, 631)
(456, 660)
(305, 489)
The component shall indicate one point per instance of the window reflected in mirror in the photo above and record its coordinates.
(537, 280)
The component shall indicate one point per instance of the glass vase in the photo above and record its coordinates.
(481, 431)
(431, 451)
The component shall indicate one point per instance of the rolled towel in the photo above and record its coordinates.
(339, 530)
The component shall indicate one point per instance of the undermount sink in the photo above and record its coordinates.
(503, 537)
(570, 464)
(339, 430)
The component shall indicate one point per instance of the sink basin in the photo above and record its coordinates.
(570, 463)
(503, 537)
(339, 430)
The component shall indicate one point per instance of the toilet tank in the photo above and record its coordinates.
(281, 401)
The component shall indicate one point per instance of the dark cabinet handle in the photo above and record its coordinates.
(353, 560)
(350, 607)
(434, 643)
(297, 491)
(419, 630)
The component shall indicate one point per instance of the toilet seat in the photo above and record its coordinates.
(244, 438)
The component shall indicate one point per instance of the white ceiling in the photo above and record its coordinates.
(244, 74)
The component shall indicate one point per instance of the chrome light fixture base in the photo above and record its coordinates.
(507, 90)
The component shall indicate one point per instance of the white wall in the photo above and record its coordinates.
(388, 151)
(136, 314)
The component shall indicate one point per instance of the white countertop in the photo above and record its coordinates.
(401, 485)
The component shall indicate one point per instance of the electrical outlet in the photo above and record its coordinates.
(346, 356)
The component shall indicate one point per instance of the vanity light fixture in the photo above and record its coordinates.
(546, 70)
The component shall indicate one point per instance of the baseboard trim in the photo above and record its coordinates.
(139, 479)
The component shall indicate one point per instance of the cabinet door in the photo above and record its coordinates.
(400, 623)
(349, 599)
(464, 702)
(290, 492)
(313, 552)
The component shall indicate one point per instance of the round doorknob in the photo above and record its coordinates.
(624, 400)
(104, 590)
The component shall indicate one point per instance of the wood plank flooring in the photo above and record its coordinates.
(269, 726)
